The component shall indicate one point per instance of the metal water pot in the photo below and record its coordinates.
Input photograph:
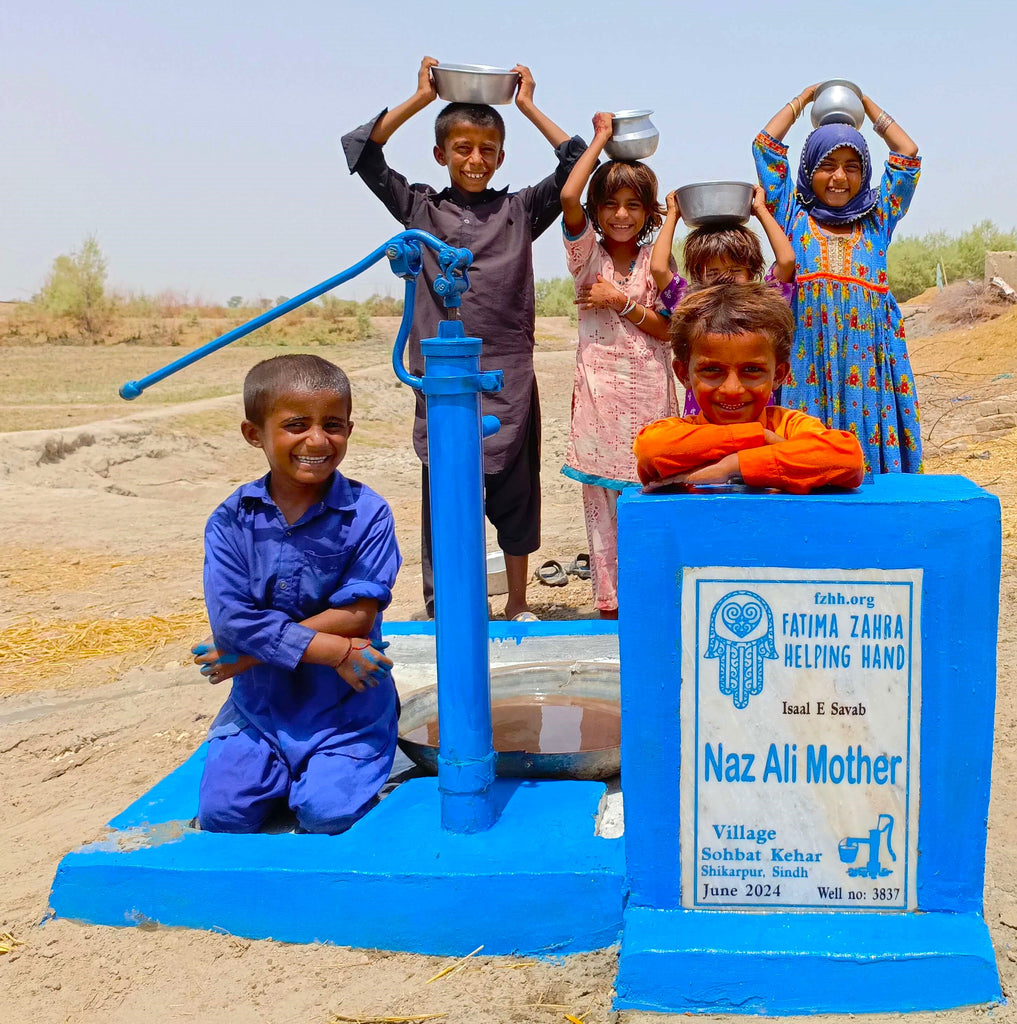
(634, 135)
(837, 101)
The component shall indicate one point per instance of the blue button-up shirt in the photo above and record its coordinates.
(262, 576)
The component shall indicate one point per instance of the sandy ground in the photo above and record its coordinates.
(101, 517)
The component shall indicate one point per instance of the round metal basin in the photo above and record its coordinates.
(553, 720)
(715, 203)
(475, 83)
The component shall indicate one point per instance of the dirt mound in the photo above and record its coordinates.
(964, 303)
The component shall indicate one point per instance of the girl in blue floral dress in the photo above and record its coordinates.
(849, 364)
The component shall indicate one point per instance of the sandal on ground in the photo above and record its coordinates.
(580, 567)
(526, 617)
(552, 574)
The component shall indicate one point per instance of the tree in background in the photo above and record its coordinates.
(911, 261)
(911, 265)
(556, 296)
(76, 288)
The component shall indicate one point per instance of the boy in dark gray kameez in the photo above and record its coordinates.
(498, 227)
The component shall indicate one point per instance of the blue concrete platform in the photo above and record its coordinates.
(539, 882)
(680, 961)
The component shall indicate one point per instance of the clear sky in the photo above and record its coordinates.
(200, 140)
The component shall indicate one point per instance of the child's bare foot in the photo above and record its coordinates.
(514, 610)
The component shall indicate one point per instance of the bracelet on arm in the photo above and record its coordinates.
(630, 304)
(349, 650)
(882, 122)
(642, 318)
(797, 111)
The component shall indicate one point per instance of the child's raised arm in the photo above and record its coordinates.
(783, 253)
(524, 101)
(893, 135)
(398, 116)
(780, 124)
(572, 190)
(661, 265)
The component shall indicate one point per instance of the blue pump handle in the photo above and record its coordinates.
(403, 250)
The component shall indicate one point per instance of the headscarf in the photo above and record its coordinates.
(819, 145)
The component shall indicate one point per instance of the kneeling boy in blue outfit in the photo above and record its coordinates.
(298, 567)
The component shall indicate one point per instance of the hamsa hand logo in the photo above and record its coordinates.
(741, 637)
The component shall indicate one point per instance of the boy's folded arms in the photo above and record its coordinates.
(804, 455)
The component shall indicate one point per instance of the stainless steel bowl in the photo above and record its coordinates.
(474, 83)
(633, 137)
(591, 683)
(715, 203)
(837, 101)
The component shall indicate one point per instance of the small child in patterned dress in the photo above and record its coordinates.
(720, 255)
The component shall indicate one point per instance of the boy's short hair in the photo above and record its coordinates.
(732, 309)
(268, 380)
(739, 245)
(480, 115)
(618, 174)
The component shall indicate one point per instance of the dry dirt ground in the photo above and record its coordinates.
(101, 517)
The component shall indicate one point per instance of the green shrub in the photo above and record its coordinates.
(556, 296)
(76, 288)
(911, 261)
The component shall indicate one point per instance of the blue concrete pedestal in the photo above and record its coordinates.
(683, 961)
(686, 561)
(538, 882)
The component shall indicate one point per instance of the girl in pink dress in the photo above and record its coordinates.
(623, 374)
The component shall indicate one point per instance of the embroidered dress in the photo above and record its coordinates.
(849, 361)
(623, 377)
(623, 381)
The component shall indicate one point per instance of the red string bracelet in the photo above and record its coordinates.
(353, 647)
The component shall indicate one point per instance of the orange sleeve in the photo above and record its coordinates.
(679, 445)
(811, 457)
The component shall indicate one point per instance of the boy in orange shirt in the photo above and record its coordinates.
(732, 346)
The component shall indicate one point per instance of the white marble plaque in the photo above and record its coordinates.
(800, 716)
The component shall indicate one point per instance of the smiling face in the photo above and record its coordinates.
(472, 154)
(622, 216)
(724, 270)
(838, 178)
(304, 438)
(732, 376)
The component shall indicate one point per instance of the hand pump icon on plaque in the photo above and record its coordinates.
(741, 637)
(873, 867)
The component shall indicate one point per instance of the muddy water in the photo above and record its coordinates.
(552, 724)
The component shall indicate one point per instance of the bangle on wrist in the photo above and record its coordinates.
(630, 304)
(642, 318)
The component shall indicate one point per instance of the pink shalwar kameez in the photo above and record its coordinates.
(623, 381)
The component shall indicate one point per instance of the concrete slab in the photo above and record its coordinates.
(539, 882)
